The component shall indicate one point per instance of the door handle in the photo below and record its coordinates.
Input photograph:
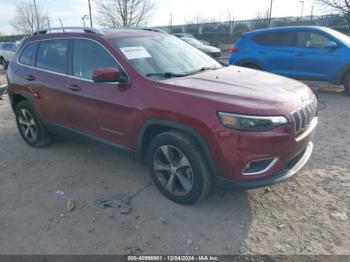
(74, 88)
(299, 54)
(30, 78)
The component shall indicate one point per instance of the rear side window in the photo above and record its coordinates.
(88, 56)
(52, 55)
(27, 56)
(312, 40)
(276, 39)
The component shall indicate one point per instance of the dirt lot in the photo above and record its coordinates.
(309, 214)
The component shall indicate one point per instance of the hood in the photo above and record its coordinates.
(246, 88)
(208, 49)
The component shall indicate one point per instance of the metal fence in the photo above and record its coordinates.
(229, 31)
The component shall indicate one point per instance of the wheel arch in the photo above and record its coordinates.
(342, 74)
(153, 127)
(16, 98)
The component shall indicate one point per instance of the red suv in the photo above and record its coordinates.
(193, 121)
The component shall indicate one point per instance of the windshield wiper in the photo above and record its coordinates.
(170, 75)
(166, 75)
(201, 70)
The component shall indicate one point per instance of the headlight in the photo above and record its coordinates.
(251, 123)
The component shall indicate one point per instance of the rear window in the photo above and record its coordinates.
(52, 55)
(276, 39)
(27, 56)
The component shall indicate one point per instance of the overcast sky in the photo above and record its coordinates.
(71, 11)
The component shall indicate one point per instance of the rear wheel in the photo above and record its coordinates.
(178, 168)
(347, 84)
(30, 126)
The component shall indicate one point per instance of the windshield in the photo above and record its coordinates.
(164, 56)
(192, 41)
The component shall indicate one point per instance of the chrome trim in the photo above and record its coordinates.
(112, 131)
(305, 115)
(299, 165)
(71, 76)
(273, 162)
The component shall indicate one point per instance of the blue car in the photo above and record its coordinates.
(301, 52)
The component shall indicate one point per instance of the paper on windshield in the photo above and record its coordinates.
(135, 52)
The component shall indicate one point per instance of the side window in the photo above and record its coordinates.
(27, 56)
(88, 56)
(276, 39)
(312, 40)
(52, 55)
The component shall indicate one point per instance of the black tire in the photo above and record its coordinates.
(6, 65)
(200, 177)
(347, 84)
(42, 137)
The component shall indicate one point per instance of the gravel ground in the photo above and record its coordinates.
(309, 214)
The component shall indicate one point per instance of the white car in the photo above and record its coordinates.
(7, 49)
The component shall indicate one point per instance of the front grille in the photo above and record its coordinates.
(303, 116)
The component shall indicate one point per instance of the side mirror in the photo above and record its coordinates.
(331, 45)
(106, 75)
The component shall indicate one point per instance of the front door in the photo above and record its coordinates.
(313, 59)
(98, 109)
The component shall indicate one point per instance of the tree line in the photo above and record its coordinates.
(126, 13)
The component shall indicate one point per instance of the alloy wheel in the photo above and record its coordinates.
(27, 125)
(173, 170)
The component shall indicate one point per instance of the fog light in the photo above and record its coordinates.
(258, 167)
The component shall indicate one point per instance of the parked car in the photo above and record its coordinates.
(189, 35)
(301, 52)
(7, 49)
(194, 122)
(153, 29)
(209, 50)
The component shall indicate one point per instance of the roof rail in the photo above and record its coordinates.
(63, 29)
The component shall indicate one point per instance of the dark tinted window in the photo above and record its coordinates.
(88, 56)
(52, 55)
(312, 40)
(27, 56)
(276, 39)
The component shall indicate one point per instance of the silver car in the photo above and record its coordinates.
(7, 49)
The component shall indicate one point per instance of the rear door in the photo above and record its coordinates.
(313, 60)
(276, 51)
(46, 79)
(98, 109)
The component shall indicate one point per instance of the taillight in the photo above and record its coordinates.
(234, 49)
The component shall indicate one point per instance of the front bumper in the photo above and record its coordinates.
(291, 168)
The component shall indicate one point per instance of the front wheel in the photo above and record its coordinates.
(178, 168)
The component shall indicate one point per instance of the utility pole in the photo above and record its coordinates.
(36, 16)
(312, 13)
(270, 15)
(89, 2)
(170, 22)
(302, 9)
(61, 24)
